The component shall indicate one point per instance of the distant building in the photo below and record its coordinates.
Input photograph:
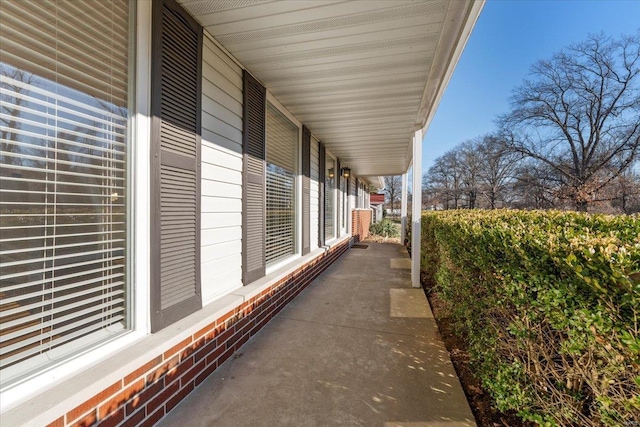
(377, 202)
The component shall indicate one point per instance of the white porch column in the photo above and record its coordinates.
(403, 207)
(416, 209)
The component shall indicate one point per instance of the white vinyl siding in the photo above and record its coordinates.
(314, 192)
(221, 205)
(65, 90)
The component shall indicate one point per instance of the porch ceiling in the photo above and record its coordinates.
(362, 75)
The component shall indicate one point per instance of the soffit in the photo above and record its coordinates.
(361, 75)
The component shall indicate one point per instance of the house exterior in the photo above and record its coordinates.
(377, 206)
(174, 173)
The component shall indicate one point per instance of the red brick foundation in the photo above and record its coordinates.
(360, 223)
(148, 393)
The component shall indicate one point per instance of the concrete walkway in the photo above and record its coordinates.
(358, 347)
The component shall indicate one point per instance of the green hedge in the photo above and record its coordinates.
(549, 303)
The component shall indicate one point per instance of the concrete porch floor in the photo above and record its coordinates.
(358, 347)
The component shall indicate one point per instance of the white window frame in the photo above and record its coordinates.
(298, 180)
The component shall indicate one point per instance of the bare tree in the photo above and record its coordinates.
(479, 167)
(535, 186)
(393, 191)
(452, 162)
(498, 165)
(443, 181)
(470, 167)
(625, 192)
(437, 184)
(580, 114)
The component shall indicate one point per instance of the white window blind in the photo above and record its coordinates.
(329, 198)
(282, 168)
(64, 111)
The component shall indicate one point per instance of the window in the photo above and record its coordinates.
(63, 179)
(281, 173)
(306, 190)
(344, 184)
(329, 198)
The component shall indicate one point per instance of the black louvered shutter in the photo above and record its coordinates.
(253, 180)
(306, 190)
(322, 167)
(175, 206)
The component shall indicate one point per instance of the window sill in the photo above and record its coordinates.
(282, 263)
(21, 391)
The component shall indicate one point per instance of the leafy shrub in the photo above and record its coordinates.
(549, 304)
(384, 228)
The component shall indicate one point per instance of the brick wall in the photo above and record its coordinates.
(360, 222)
(148, 393)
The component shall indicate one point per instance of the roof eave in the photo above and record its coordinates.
(460, 22)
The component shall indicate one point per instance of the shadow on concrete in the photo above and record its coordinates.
(358, 347)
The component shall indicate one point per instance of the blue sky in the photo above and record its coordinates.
(508, 38)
